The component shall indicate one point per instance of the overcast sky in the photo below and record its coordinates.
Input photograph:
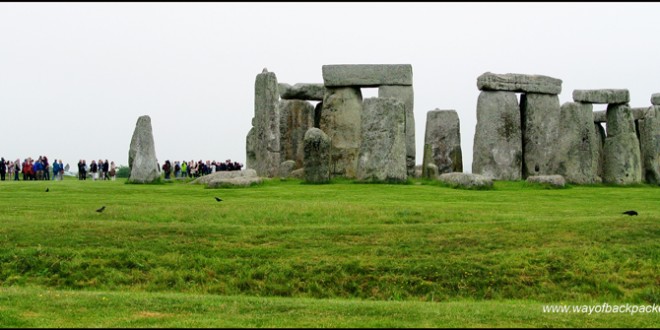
(74, 77)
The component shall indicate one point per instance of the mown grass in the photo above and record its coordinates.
(407, 244)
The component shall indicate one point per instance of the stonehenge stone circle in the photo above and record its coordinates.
(308, 92)
(601, 96)
(497, 150)
(367, 75)
(341, 118)
(382, 156)
(404, 94)
(296, 117)
(317, 156)
(142, 159)
(540, 131)
(266, 125)
(442, 142)
(513, 82)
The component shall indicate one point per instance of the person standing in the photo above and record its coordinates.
(93, 168)
(56, 169)
(60, 174)
(3, 169)
(17, 168)
(106, 170)
(113, 171)
(167, 169)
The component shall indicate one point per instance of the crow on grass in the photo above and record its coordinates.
(631, 212)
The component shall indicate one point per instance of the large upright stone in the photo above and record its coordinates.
(655, 99)
(540, 131)
(367, 75)
(497, 151)
(649, 133)
(250, 143)
(296, 117)
(405, 94)
(578, 148)
(267, 125)
(383, 148)
(341, 117)
(622, 159)
(514, 82)
(442, 142)
(311, 92)
(601, 96)
(317, 156)
(142, 153)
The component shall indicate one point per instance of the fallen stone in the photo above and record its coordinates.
(286, 167)
(556, 181)
(229, 178)
(466, 180)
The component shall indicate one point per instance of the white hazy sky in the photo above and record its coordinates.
(74, 77)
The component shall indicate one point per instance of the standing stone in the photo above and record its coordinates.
(540, 130)
(655, 99)
(296, 117)
(367, 75)
(250, 143)
(142, 153)
(601, 96)
(622, 162)
(267, 125)
(649, 129)
(578, 145)
(383, 148)
(317, 156)
(515, 82)
(599, 153)
(497, 151)
(442, 141)
(405, 94)
(341, 121)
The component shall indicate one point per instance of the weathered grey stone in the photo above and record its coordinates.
(649, 129)
(311, 92)
(602, 96)
(267, 125)
(497, 151)
(431, 171)
(142, 159)
(382, 156)
(286, 167)
(405, 94)
(442, 141)
(466, 180)
(418, 171)
(638, 113)
(622, 160)
(655, 99)
(540, 131)
(229, 178)
(556, 181)
(514, 82)
(298, 174)
(250, 143)
(619, 120)
(599, 153)
(367, 75)
(578, 145)
(296, 117)
(341, 118)
(317, 156)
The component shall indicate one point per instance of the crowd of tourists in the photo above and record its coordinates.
(195, 169)
(30, 169)
(101, 170)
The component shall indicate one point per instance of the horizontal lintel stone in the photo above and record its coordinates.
(515, 82)
(367, 75)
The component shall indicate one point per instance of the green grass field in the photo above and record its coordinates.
(287, 254)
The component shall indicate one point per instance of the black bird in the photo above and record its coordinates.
(47, 190)
(218, 199)
(631, 212)
(101, 209)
